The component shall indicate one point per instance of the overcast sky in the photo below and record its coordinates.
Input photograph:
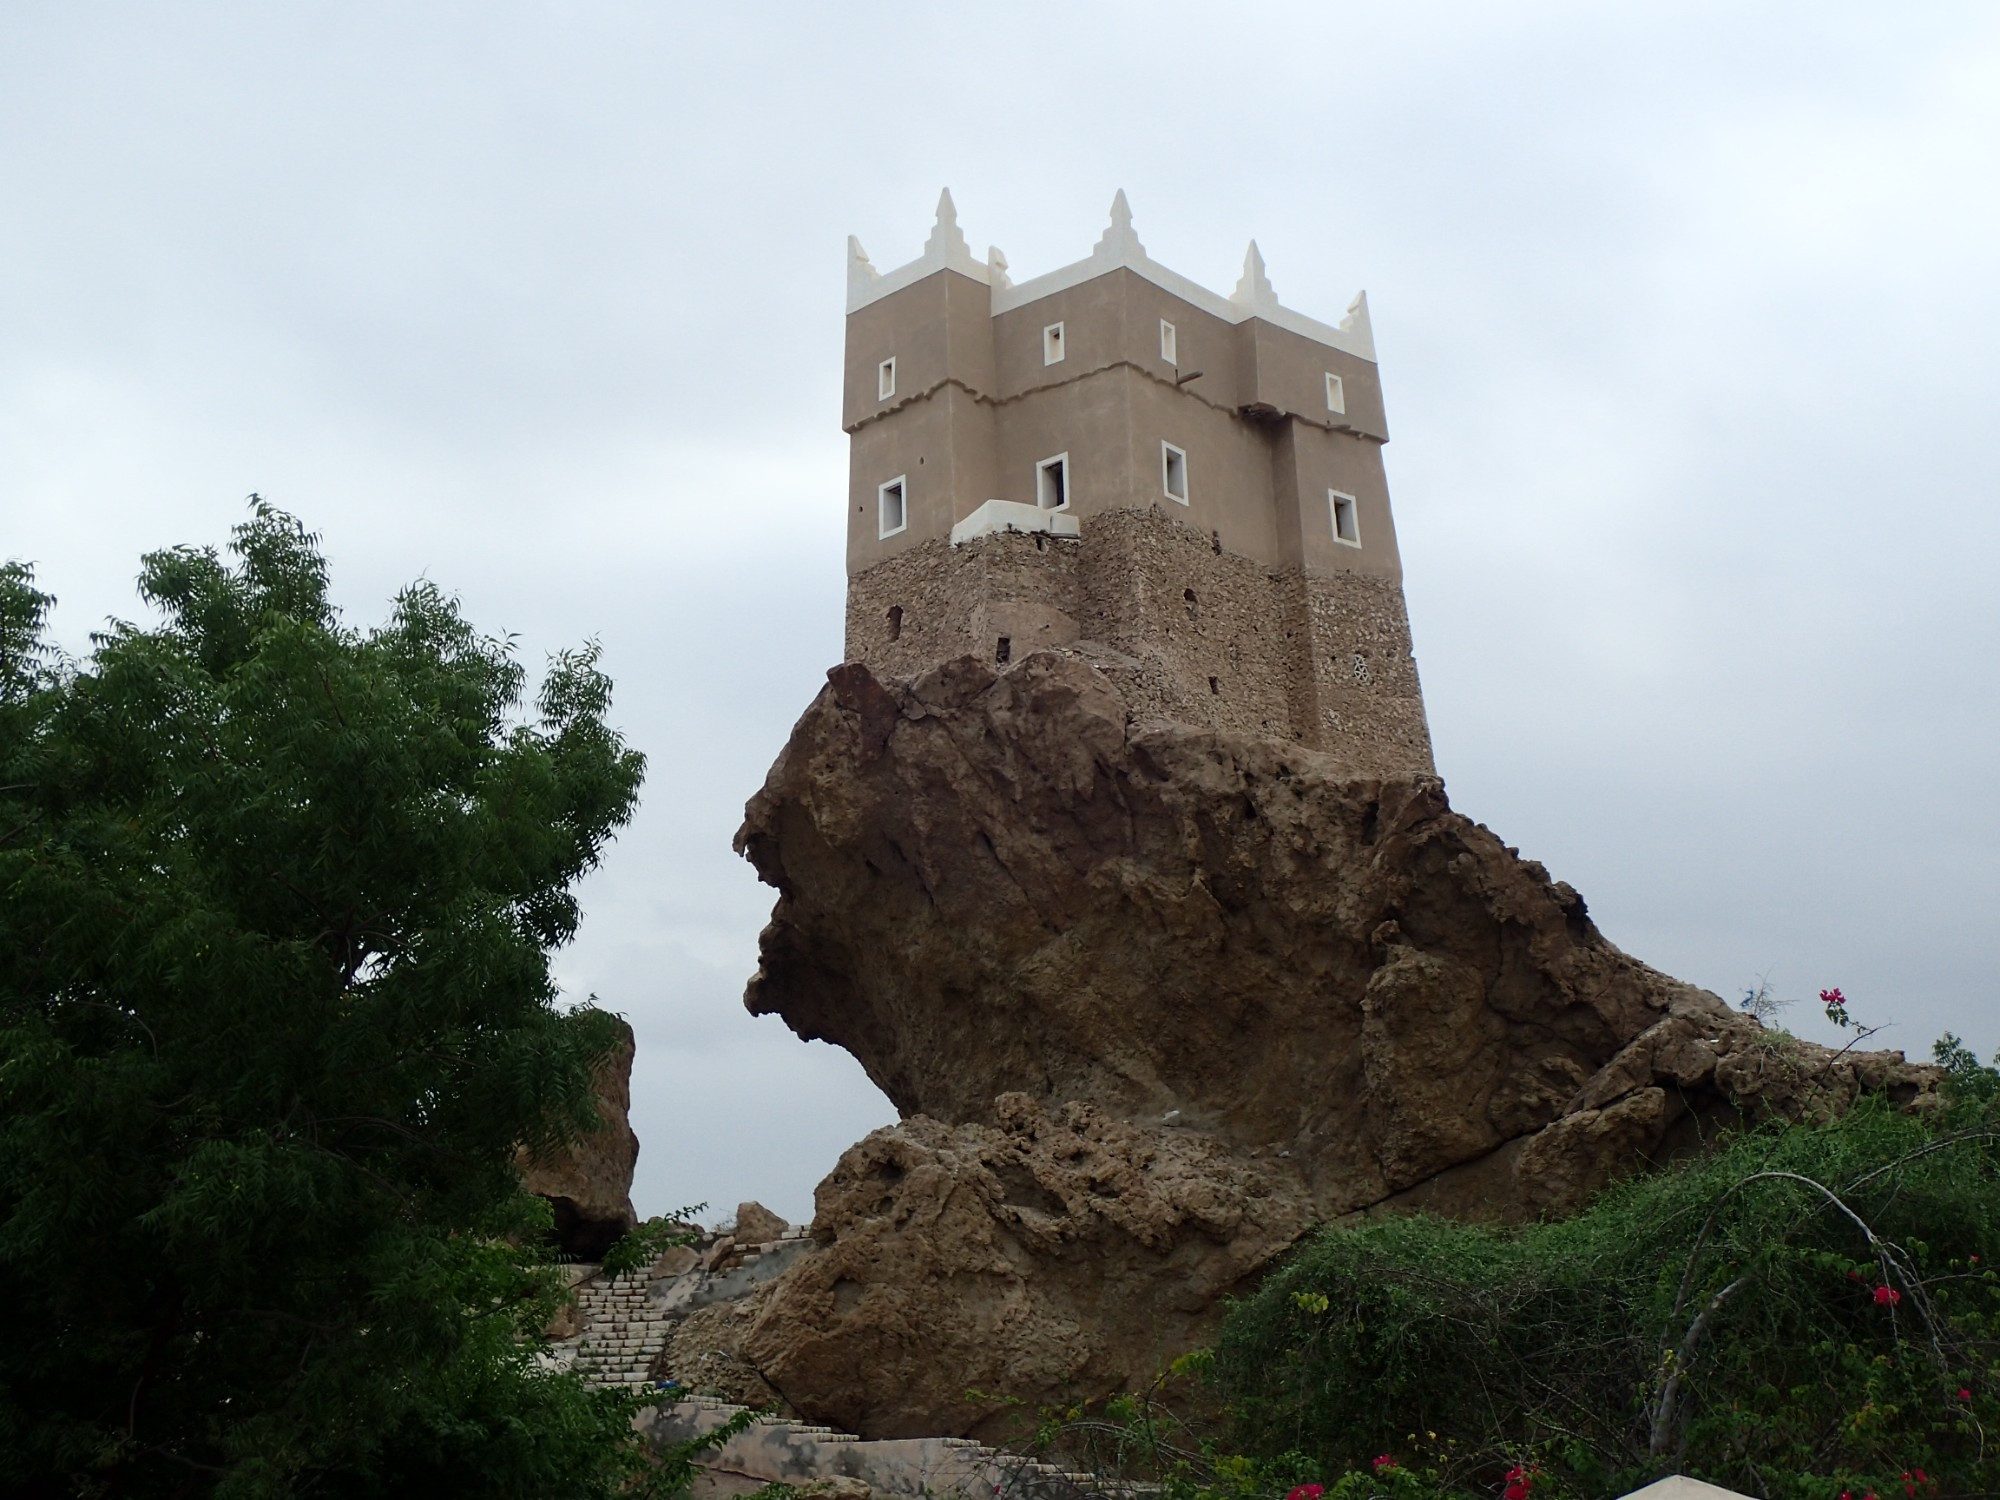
(1688, 317)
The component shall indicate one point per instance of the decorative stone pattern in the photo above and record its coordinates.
(1187, 631)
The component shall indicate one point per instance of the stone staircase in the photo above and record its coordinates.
(623, 1329)
(625, 1324)
(773, 1450)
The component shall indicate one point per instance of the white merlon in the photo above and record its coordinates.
(1012, 515)
(1254, 292)
(861, 276)
(1118, 248)
(1356, 325)
(945, 250)
(1119, 243)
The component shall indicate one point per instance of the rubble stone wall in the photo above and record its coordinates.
(1188, 632)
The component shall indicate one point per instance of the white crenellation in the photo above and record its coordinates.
(945, 250)
(1254, 293)
(1118, 248)
(861, 276)
(1119, 243)
(1356, 325)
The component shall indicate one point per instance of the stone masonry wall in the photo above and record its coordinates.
(1190, 632)
(1368, 701)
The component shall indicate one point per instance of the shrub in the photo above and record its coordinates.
(1805, 1312)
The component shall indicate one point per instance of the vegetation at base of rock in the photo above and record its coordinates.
(647, 1240)
(277, 898)
(1809, 1311)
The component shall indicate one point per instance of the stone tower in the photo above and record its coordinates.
(1113, 461)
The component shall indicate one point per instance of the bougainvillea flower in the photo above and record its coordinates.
(1384, 1462)
(1307, 1492)
(1964, 1393)
(1887, 1296)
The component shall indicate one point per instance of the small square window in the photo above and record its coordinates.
(1170, 343)
(1336, 394)
(1052, 344)
(1345, 527)
(885, 379)
(1173, 472)
(1052, 483)
(892, 507)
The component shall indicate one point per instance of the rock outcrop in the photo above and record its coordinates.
(589, 1185)
(1204, 969)
(1051, 1254)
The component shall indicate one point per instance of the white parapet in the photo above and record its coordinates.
(1118, 247)
(1012, 515)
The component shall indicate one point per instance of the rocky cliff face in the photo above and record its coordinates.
(1153, 999)
(590, 1185)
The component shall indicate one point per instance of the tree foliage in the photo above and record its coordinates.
(277, 897)
(1809, 1311)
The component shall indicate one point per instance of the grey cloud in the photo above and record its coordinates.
(1686, 317)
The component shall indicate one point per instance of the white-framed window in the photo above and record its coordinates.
(1170, 343)
(892, 506)
(1052, 344)
(1052, 483)
(1345, 527)
(885, 379)
(1336, 394)
(1173, 472)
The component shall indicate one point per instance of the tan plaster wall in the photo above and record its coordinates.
(1314, 461)
(943, 443)
(1239, 610)
(1288, 370)
(976, 409)
(936, 327)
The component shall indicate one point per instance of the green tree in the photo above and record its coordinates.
(276, 902)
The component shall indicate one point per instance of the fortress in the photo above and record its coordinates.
(1112, 461)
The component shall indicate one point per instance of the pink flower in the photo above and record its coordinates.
(1965, 1393)
(1307, 1492)
(1887, 1296)
(1384, 1462)
(1831, 998)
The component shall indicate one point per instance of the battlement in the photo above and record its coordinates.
(976, 407)
(1119, 248)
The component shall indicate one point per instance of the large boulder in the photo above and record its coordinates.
(1051, 1255)
(589, 1183)
(1261, 987)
